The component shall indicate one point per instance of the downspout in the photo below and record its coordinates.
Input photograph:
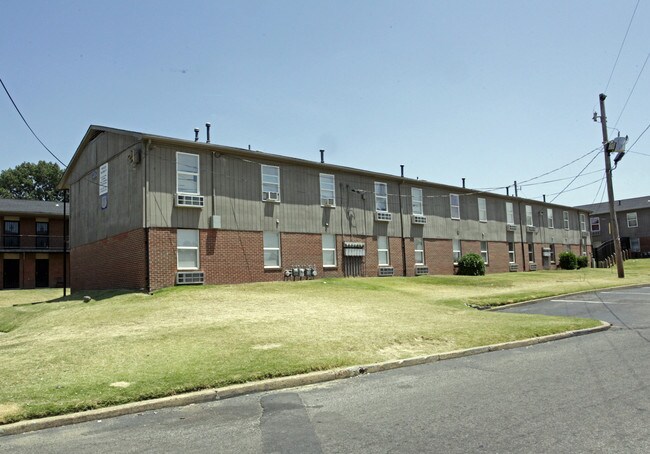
(65, 245)
(401, 220)
(145, 219)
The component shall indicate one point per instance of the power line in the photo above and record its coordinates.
(27, 124)
(621, 48)
(561, 167)
(571, 182)
(631, 91)
(637, 139)
(559, 179)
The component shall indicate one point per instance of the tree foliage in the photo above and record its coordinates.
(31, 181)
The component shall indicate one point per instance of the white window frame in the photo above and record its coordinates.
(531, 252)
(583, 246)
(565, 217)
(632, 220)
(196, 174)
(418, 246)
(595, 221)
(454, 206)
(381, 194)
(635, 244)
(530, 221)
(482, 210)
(456, 250)
(383, 251)
(328, 242)
(327, 189)
(549, 218)
(269, 248)
(510, 214)
(185, 247)
(269, 176)
(551, 248)
(512, 255)
(485, 251)
(417, 201)
(583, 222)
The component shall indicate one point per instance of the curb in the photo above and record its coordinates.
(272, 384)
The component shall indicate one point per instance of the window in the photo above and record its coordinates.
(456, 250)
(381, 197)
(632, 220)
(510, 214)
(511, 252)
(549, 218)
(382, 251)
(552, 252)
(635, 244)
(327, 190)
(529, 216)
(187, 244)
(419, 251)
(482, 210)
(416, 201)
(484, 251)
(42, 234)
(271, 249)
(531, 252)
(583, 222)
(270, 183)
(595, 224)
(12, 234)
(329, 250)
(454, 203)
(583, 246)
(187, 173)
(565, 216)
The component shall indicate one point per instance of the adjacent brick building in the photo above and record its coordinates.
(149, 212)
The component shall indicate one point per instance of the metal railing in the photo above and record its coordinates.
(45, 243)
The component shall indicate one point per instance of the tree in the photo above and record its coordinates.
(32, 181)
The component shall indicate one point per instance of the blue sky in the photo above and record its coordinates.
(492, 91)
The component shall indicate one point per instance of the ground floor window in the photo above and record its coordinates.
(187, 243)
(456, 250)
(484, 251)
(583, 246)
(382, 251)
(329, 249)
(552, 252)
(271, 249)
(419, 250)
(511, 252)
(635, 244)
(531, 252)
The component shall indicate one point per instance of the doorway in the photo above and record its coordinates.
(11, 273)
(42, 273)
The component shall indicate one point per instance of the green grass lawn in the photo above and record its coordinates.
(68, 355)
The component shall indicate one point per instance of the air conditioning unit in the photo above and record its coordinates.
(383, 216)
(531, 229)
(532, 266)
(190, 277)
(584, 234)
(386, 271)
(329, 203)
(421, 270)
(418, 219)
(269, 196)
(511, 228)
(513, 267)
(188, 200)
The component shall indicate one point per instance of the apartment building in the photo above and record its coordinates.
(148, 212)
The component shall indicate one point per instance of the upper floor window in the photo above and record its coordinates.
(632, 220)
(549, 218)
(583, 222)
(529, 216)
(187, 173)
(327, 190)
(510, 214)
(595, 224)
(270, 183)
(454, 204)
(42, 234)
(565, 215)
(12, 234)
(482, 210)
(417, 206)
(381, 197)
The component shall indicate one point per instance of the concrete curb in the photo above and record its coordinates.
(226, 392)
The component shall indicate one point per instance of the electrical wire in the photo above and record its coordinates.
(631, 91)
(561, 167)
(27, 124)
(560, 179)
(637, 139)
(571, 182)
(621, 48)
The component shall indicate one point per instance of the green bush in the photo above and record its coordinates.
(471, 265)
(568, 261)
(583, 261)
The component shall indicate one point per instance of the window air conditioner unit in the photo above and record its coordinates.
(531, 229)
(513, 267)
(190, 277)
(383, 216)
(532, 266)
(421, 270)
(418, 219)
(385, 271)
(188, 200)
(328, 203)
(270, 196)
(511, 228)
(584, 234)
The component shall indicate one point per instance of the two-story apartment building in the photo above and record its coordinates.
(31, 243)
(149, 212)
(633, 216)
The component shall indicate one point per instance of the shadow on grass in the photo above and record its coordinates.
(95, 295)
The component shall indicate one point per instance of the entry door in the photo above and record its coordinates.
(42, 273)
(11, 273)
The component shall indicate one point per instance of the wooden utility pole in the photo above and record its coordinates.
(610, 191)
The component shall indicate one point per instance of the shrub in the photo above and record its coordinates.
(568, 261)
(583, 261)
(471, 265)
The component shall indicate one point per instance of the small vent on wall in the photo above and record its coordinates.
(531, 229)
(420, 270)
(532, 266)
(190, 277)
(383, 216)
(185, 200)
(386, 271)
(513, 267)
(418, 219)
(584, 234)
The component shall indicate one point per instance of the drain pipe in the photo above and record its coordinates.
(401, 219)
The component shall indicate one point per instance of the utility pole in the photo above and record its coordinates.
(524, 255)
(610, 191)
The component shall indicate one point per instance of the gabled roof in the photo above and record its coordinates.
(31, 207)
(637, 203)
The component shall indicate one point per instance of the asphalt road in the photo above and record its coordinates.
(583, 394)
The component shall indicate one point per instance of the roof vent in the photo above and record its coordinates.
(207, 127)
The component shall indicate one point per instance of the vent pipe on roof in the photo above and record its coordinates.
(196, 134)
(544, 197)
(401, 166)
(322, 156)
(463, 183)
(207, 127)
